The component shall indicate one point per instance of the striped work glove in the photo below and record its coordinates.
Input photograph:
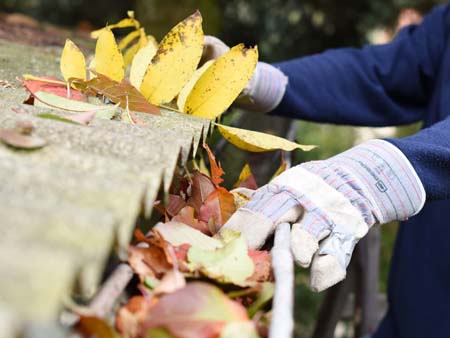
(265, 89)
(332, 204)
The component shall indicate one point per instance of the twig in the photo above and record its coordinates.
(282, 323)
(104, 301)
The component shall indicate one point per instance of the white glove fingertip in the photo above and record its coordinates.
(303, 245)
(254, 226)
(325, 272)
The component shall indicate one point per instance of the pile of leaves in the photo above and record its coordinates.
(196, 280)
(139, 75)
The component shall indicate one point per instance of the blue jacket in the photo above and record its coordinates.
(405, 81)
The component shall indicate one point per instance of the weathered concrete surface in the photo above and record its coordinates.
(65, 207)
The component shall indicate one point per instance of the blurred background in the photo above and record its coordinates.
(282, 29)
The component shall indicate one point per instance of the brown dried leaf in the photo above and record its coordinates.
(218, 208)
(216, 169)
(122, 93)
(18, 140)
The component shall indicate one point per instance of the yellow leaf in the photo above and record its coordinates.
(124, 23)
(175, 61)
(184, 93)
(73, 64)
(281, 168)
(108, 59)
(128, 39)
(91, 69)
(42, 79)
(140, 63)
(245, 174)
(258, 142)
(222, 83)
(132, 51)
(152, 39)
(130, 54)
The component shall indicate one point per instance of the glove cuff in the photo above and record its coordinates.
(265, 89)
(386, 177)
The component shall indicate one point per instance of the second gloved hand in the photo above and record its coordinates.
(265, 89)
(332, 204)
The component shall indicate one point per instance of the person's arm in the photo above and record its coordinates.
(374, 86)
(429, 153)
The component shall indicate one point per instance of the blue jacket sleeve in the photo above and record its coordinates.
(429, 153)
(373, 86)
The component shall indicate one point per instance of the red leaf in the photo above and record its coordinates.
(187, 216)
(34, 86)
(263, 268)
(151, 261)
(249, 183)
(91, 327)
(16, 139)
(122, 93)
(216, 168)
(131, 316)
(201, 188)
(218, 208)
(175, 204)
(170, 251)
(246, 179)
(199, 310)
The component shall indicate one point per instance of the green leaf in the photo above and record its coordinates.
(47, 100)
(178, 233)
(264, 296)
(229, 264)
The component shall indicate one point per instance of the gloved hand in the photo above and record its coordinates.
(265, 89)
(332, 204)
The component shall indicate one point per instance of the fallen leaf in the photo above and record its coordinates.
(258, 142)
(82, 118)
(19, 140)
(265, 295)
(122, 93)
(199, 310)
(222, 83)
(175, 255)
(263, 266)
(216, 169)
(228, 264)
(35, 84)
(73, 64)
(175, 205)
(131, 52)
(131, 316)
(184, 93)
(201, 188)
(175, 61)
(128, 39)
(217, 209)
(108, 58)
(187, 216)
(47, 100)
(140, 64)
(241, 196)
(94, 327)
(149, 261)
(239, 329)
(178, 234)
(124, 23)
(172, 281)
(246, 179)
